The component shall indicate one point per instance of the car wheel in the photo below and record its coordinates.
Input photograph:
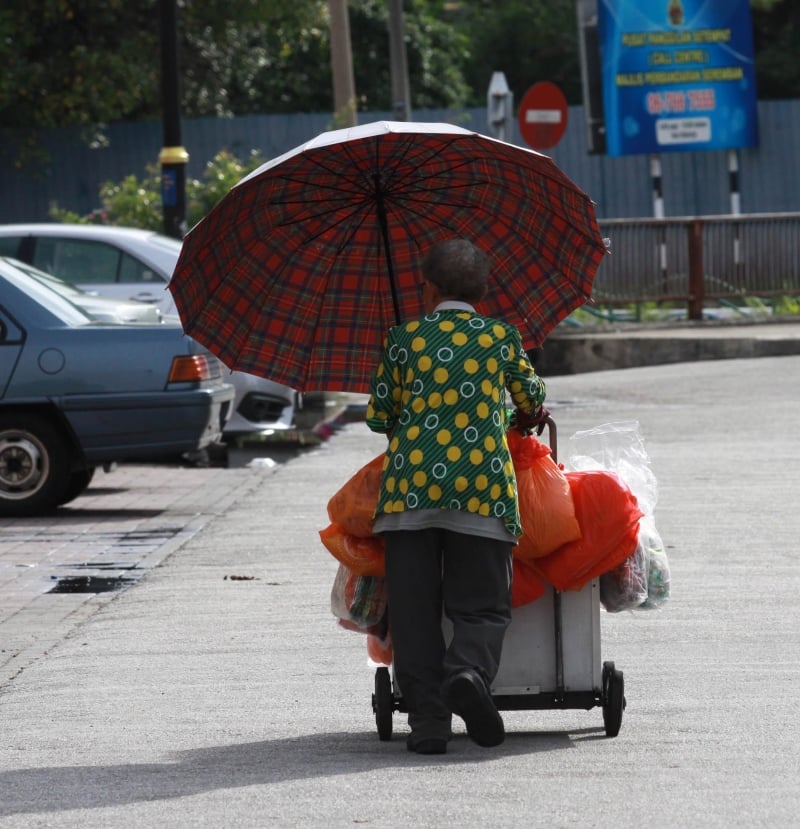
(78, 481)
(34, 465)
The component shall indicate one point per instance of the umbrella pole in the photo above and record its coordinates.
(384, 224)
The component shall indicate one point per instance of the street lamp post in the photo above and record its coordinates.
(173, 157)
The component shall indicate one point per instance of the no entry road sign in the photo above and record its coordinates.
(542, 115)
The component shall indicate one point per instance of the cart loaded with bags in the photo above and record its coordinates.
(590, 543)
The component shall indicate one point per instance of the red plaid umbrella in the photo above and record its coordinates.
(299, 271)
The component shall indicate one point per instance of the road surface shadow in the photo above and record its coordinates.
(63, 788)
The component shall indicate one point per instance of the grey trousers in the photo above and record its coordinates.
(469, 578)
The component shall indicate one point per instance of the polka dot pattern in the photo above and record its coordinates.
(439, 390)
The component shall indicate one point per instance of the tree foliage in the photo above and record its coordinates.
(84, 63)
(92, 62)
(135, 202)
(259, 56)
(436, 54)
(528, 42)
(776, 36)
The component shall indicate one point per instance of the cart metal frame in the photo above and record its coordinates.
(551, 659)
(541, 669)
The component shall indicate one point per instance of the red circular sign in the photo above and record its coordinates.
(542, 115)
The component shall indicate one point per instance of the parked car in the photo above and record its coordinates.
(133, 264)
(77, 393)
(101, 308)
(124, 263)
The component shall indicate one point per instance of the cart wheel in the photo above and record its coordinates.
(382, 703)
(613, 699)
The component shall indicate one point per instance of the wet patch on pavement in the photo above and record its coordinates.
(91, 584)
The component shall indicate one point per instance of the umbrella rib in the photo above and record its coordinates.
(303, 181)
(420, 158)
(548, 171)
(357, 177)
(360, 181)
(364, 179)
(345, 220)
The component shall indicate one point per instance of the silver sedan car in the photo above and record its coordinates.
(133, 264)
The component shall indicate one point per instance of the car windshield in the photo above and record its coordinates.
(56, 304)
(54, 283)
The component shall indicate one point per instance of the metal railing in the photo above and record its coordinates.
(694, 260)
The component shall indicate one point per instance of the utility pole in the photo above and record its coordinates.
(401, 96)
(344, 86)
(173, 157)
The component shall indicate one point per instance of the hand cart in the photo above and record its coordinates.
(551, 659)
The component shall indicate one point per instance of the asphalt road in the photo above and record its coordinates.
(198, 699)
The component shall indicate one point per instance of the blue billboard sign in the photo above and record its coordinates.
(677, 75)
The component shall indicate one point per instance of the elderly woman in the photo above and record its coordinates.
(448, 509)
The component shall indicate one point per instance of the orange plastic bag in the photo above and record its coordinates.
(545, 499)
(362, 556)
(526, 585)
(608, 514)
(353, 506)
(379, 648)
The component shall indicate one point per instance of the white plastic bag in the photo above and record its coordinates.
(617, 447)
(643, 581)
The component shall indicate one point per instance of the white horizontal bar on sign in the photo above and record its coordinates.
(683, 130)
(543, 116)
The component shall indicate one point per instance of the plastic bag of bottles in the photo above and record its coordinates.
(643, 581)
(359, 601)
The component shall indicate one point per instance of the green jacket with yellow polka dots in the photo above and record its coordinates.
(439, 393)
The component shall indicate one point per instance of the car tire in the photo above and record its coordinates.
(78, 482)
(35, 464)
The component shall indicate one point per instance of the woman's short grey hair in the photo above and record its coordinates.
(459, 269)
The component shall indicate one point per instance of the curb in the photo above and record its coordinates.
(583, 352)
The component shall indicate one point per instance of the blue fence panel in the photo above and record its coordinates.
(695, 183)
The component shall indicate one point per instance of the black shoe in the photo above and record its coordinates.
(466, 694)
(428, 745)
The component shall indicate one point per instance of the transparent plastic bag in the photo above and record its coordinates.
(617, 447)
(620, 447)
(658, 576)
(625, 587)
(358, 600)
(641, 581)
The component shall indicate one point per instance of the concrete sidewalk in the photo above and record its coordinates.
(126, 524)
(218, 690)
(57, 570)
(625, 345)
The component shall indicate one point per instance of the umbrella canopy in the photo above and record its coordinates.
(299, 271)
